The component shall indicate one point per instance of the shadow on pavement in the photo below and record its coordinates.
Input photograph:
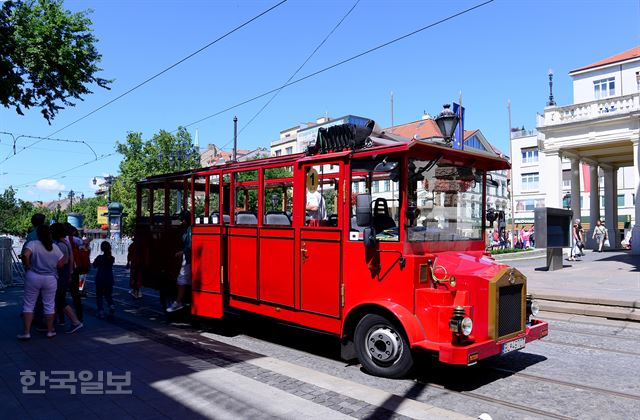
(632, 260)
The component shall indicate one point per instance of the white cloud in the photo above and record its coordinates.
(49, 185)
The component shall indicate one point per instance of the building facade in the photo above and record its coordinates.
(597, 135)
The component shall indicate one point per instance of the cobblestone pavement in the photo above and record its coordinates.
(172, 374)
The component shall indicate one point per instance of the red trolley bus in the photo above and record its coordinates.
(374, 238)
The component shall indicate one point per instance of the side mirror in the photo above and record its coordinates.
(363, 210)
(369, 237)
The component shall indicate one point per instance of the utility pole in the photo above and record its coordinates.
(235, 139)
(391, 108)
(513, 209)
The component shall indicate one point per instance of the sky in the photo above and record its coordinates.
(494, 54)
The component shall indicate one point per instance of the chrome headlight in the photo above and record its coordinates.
(466, 325)
(535, 308)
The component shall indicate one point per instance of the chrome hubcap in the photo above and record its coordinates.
(383, 344)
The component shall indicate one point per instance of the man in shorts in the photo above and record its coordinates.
(184, 277)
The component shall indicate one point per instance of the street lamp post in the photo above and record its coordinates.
(71, 195)
(447, 121)
(108, 181)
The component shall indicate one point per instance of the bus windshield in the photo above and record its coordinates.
(444, 202)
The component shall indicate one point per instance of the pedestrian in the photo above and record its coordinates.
(37, 219)
(104, 279)
(576, 241)
(582, 238)
(184, 277)
(41, 259)
(75, 242)
(600, 234)
(134, 278)
(532, 237)
(58, 233)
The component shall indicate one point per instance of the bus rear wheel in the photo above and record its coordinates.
(382, 348)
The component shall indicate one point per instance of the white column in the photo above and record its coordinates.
(611, 205)
(551, 179)
(575, 188)
(594, 203)
(635, 234)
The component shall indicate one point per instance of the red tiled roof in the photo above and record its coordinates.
(422, 129)
(627, 55)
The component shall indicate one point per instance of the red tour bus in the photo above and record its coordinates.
(375, 238)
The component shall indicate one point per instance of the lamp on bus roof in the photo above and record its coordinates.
(447, 121)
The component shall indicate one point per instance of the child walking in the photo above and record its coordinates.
(104, 278)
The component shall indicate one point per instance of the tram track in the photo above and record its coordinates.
(594, 334)
(574, 385)
(588, 347)
(466, 394)
(475, 395)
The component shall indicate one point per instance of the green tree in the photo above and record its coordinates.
(89, 209)
(15, 214)
(163, 153)
(47, 56)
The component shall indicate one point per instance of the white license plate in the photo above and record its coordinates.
(513, 345)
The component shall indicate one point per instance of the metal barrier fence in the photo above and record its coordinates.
(11, 269)
(119, 249)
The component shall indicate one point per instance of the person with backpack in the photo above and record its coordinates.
(58, 231)
(74, 287)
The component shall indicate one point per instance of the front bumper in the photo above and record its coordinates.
(470, 354)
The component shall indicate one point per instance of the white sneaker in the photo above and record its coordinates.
(175, 306)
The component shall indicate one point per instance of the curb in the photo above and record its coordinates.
(587, 300)
(610, 312)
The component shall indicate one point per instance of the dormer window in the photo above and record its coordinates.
(604, 88)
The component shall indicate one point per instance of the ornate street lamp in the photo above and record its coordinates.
(447, 121)
(108, 181)
(551, 101)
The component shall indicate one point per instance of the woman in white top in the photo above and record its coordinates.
(41, 259)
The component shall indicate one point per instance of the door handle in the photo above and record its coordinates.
(303, 251)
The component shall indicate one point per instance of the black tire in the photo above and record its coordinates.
(382, 347)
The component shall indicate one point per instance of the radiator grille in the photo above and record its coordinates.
(509, 309)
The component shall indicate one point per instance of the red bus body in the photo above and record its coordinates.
(323, 276)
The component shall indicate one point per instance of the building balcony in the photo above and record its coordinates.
(603, 108)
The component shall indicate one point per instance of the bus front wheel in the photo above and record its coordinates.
(382, 348)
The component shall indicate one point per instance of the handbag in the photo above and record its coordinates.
(606, 243)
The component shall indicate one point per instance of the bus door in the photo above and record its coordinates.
(242, 236)
(207, 246)
(321, 239)
(277, 238)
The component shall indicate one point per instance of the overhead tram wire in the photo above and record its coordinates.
(158, 74)
(297, 70)
(315, 73)
(95, 155)
(393, 41)
(101, 157)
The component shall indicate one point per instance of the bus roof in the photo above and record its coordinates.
(428, 149)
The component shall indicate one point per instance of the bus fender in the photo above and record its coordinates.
(390, 310)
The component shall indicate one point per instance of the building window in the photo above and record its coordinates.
(529, 205)
(530, 181)
(356, 187)
(620, 200)
(278, 152)
(604, 88)
(288, 151)
(387, 185)
(530, 155)
(376, 187)
(566, 179)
